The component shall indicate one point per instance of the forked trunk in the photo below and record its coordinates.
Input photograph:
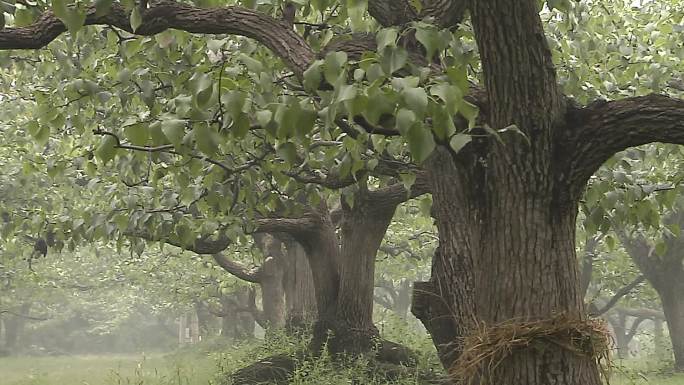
(506, 258)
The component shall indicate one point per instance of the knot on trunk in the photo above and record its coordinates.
(489, 345)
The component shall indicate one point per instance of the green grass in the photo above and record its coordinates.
(108, 370)
(197, 366)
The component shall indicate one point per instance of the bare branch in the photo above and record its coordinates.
(620, 293)
(239, 270)
(25, 316)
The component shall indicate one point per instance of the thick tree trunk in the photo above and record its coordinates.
(508, 255)
(362, 230)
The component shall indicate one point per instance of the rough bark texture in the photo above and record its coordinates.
(505, 211)
(300, 292)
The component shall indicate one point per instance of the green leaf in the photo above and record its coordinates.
(393, 59)
(106, 151)
(313, 76)
(459, 141)
(407, 179)
(405, 120)
(137, 134)
(288, 151)
(420, 141)
(416, 99)
(174, 130)
(207, 139)
(135, 18)
(334, 66)
(428, 37)
(69, 14)
(386, 37)
(346, 92)
(264, 117)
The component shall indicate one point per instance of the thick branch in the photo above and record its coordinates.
(605, 128)
(275, 34)
(392, 12)
(237, 269)
(202, 245)
(292, 226)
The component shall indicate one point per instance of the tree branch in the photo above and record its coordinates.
(239, 270)
(605, 128)
(24, 316)
(641, 312)
(635, 326)
(620, 293)
(275, 34)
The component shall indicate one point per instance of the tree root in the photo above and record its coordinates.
(391, 362)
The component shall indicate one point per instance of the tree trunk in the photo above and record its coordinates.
(673, 307)
(661, 352)
(271, 283)
(508, 255)
(300, 294)
(362, 229)
(619, 325)
(14, 326)
(403, 301)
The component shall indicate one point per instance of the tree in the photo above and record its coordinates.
(648, 225)
(505, 184)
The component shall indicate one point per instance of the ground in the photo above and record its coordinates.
(199, 368)
(154, 369)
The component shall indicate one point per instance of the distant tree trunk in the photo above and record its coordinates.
(237, 319)
(271, 282)
(624, 334)
(673, 307)
(300, 293)
(403, 301)
(666, 274)
(659, 340)
(203, 318)
(14, 326)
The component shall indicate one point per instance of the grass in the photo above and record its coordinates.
(156, 369)
(204, 365)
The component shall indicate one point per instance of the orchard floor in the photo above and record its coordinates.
(186, 369)
(155, 369)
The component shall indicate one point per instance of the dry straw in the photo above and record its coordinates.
(488, 345)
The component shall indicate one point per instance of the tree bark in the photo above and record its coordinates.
(673, 307)
(300, 292)
(271, 283)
